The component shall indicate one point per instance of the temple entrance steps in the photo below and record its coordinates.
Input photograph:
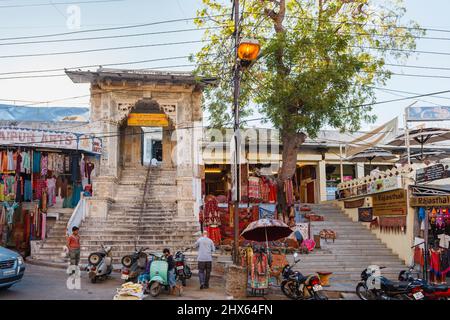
(154, 226)
(355, 248)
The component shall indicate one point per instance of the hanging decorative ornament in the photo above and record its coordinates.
(440, 223)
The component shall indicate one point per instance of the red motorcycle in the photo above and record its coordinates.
(423, 290)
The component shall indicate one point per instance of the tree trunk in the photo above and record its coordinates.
(291, 142)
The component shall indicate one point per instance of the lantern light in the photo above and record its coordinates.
(248, 49)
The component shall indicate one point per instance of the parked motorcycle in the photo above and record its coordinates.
(296, 286)
(374, 286)
(183, 271)
(429, 291)
(134, 264)
(100, 264)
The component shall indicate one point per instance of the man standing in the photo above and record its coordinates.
(171, 270)
(73, 244)
(205, 250)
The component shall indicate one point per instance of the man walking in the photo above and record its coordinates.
(73, 244)
(205, 250)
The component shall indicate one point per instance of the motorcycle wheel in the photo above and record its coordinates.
(362, 292)
(188, 272)
(289, 289)
(319, 296)
(155, 289)
(127, 261)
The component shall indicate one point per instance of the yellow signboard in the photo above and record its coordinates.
(392, 203)
(148, 120)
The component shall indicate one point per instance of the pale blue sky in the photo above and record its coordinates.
(23, 21)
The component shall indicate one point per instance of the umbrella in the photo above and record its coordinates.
(422, 136)
(431, 155)
(266, 230)
(372, 154)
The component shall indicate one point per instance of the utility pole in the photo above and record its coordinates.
(237, 141)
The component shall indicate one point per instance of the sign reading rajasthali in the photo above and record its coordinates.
(431, 173)
(148, 120)
(392, 203)
(430, 201)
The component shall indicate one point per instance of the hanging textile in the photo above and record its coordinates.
(36, 162)
(267, 211)
(211, 211)
(27, 190)
(392, 224)
(289, 192)
(44, 165)
(4, 161)
(259, 271)
(254, 191)
(43, 225)
(77, 189)
(26, 162)
(214, 234)
(51, 187)
(75, 167)
(10, 208)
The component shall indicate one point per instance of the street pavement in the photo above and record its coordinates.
(47, 283)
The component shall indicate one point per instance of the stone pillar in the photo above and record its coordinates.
(322, 181)
(236, 282)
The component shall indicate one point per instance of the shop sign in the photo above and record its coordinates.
(431, 173)
(148, 120)
(430, 201)
(438, 113)
(49, 139)
(392, 203)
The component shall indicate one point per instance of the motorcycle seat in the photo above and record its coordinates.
(101, 254)
(395, 286)
(435, 288)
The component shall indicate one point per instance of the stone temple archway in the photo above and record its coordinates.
(114, 95)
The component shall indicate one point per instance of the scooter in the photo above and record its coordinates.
(100, 264)
(157, 277)
(183, 271)
(134, 264)
(296, 286)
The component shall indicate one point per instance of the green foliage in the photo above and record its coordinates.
(320, 59)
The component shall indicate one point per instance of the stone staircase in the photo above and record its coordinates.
(158, 227)
(355, 248)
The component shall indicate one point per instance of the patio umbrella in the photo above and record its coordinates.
(431, 155)
(266, 230)
(422, 136)
(372, 154)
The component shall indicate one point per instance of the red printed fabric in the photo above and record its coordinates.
(254, 187)
(211, 214)
(214, 234)
(265, 189)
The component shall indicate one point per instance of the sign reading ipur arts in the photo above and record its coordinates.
(148, 120)
(392, 203)
(49, 139)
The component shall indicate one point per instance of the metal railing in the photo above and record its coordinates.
(79, 215)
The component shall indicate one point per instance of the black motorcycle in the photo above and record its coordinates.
(373, 286)
(134, 264)
(183, 271)
(296, 286)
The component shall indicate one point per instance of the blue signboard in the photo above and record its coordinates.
(428, 113)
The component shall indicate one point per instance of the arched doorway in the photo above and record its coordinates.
(141, 136)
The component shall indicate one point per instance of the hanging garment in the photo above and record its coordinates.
(39, 187)
(43, 226)
(10, 160)
(445, 262)
(4, 161)
(27, 190)
(26, 162)
(211, 211)
(44, 202)
(214, 234)
(254, 191)
(418, 256)
(18, 162)
(9, 182)
(10, 207)
(36, 162)
(67, 203)
(2, 192)
(44, 165)
(77, 189)
(435, 262)
(272, 192)
(51, 188)
(83, 167)
(259, 271)
(75, 167)
(19, 189)
(89, 169)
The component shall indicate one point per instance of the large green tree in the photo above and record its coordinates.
(319, 64)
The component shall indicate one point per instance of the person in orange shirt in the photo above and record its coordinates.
(73, 244)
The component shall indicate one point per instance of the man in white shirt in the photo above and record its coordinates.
(205, 250)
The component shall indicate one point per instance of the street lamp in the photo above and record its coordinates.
(247, 51)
